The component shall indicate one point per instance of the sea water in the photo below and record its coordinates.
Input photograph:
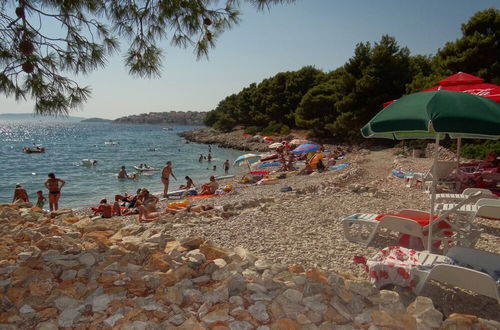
(66, 144)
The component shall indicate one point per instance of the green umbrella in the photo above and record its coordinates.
(432, 115)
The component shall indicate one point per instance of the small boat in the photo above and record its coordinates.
(146, 168)
(36, 150)
(168, 129)
(112, 143)
(89, 162)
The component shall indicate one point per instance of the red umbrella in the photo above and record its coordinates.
(465, 83)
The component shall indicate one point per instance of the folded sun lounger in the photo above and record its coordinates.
(466, 268)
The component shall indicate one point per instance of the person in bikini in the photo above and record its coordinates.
(148, 216)
(189, 183)
(165, 177)
(52, 184)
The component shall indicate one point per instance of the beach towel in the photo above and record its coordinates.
(96, 207)
(204, 196)
(405, 239)
(393, 265)
(338, 167)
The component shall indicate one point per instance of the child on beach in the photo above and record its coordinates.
(41, 199)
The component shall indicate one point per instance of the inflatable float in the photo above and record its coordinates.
(177, 205)
(221, 177)
(142, 169)
(89, 162)
(36, 150)
(263, 165)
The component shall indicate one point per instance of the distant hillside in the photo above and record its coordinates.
(163, 118)
(33, 117)
(96, 120)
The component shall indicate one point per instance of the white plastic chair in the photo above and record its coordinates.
(362, 227)
(475, 270)
(466, 193)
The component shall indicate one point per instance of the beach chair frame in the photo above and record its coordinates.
(471, 273)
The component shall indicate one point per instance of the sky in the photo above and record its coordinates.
(321, 33)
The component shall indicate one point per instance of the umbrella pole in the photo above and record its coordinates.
(433, 193)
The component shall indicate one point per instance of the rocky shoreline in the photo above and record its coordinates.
(62, 271)
(234, 140)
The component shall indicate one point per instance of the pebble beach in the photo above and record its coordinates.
(264, 259)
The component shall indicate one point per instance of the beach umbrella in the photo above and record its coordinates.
(275, 145)
(245, 159)
(305, 148)
(433, 115)
(465, 83)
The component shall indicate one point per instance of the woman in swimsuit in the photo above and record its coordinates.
(52, 184)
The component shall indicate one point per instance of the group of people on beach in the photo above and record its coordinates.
(144, 204)
(53, 184)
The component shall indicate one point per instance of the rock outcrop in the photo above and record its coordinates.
(59, 270)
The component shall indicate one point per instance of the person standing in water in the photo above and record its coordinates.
(209, 158)
(165, 177)
(226, 166)
(200, 159)
(52, 184)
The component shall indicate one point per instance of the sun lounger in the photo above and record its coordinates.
(363, 227)
(445, 174)
(472, 269)
(466, 193)
(466, 268)
(488, 208)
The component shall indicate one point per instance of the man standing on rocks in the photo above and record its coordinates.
(165, 176)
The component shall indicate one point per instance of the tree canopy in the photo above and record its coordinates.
(38, 63)
(336, 104)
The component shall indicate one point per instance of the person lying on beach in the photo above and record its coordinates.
(306, 170)
(105, 209)
(128, 199)
(20, 194)
(210, 187)
(189, 183)
(148, 216)
(195, 209)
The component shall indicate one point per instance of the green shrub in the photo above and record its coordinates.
(251, 130)
(275, 128)
(479, 151)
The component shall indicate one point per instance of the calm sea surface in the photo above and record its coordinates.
(67, 144)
